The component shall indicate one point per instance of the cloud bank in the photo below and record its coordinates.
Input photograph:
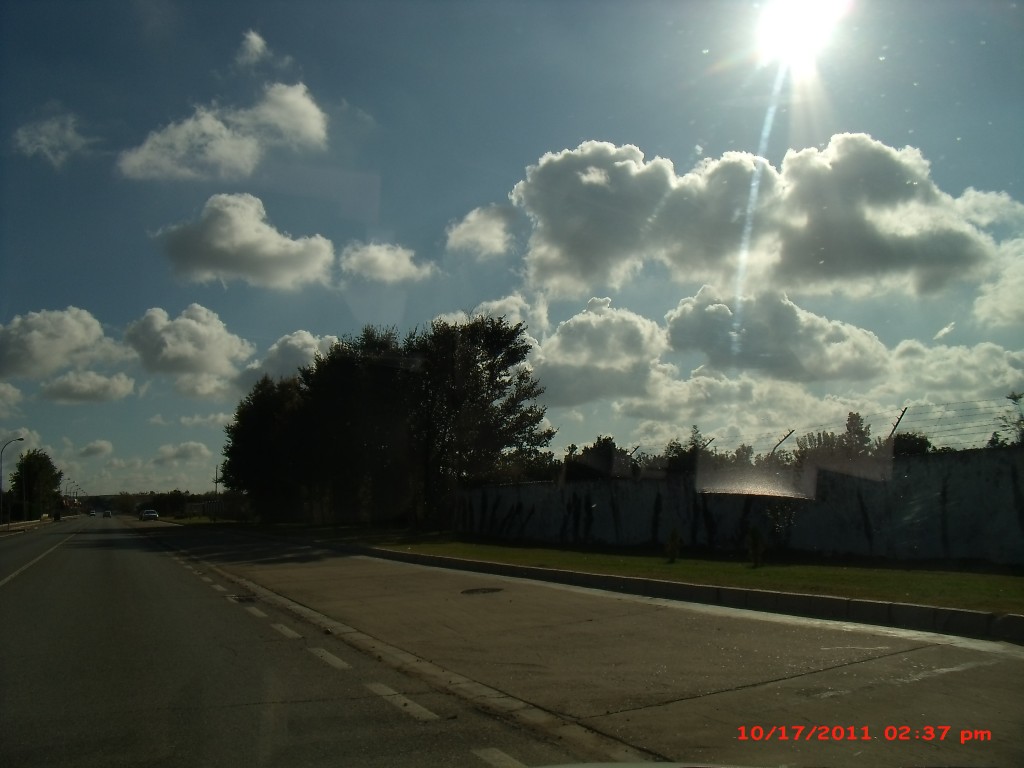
(855, 217)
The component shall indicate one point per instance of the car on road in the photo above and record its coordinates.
(149, 514)
(107, 513)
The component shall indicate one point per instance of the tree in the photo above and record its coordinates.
(472, 401)
(37, 481)
(602, 459)
(855, 442)
(910, 444)
(355, 419)
(816, 446)
(743, 456)
(380, 427)
(680, 459)
(774, 461)
(1012, 430)
(827, 449)
(260, 453)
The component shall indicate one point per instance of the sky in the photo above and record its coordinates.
(694, 230)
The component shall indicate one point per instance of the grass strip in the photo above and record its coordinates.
(990, 592)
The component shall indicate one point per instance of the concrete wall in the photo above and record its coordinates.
(966, 505)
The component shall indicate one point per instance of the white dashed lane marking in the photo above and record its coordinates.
(255, 611)
(329, 658)
(287, 631)
(408, 706)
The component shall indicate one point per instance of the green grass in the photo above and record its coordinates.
(993, 592)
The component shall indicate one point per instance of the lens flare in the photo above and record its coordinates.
(791, 34)
(794, 32)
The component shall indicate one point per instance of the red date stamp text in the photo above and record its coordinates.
(860, 733)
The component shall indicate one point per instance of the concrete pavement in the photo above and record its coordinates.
(629, 676)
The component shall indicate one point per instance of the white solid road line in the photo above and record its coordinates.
(497, 758)
(408, 706)
(30, 564)
(324, 655)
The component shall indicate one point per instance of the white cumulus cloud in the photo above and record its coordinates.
(589, 234)
(859, 210)
(286, 355)
(88, 387)
(253, 49)
(384, 262)
(856, 216)
(196, 346)
(232, 240)
(598, 353)
(483, 231)
(40, 343)
(218, 142)
(287, 115)
(768, 332)
(1001, 301)
(945, 373)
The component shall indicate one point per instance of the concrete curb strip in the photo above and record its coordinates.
(926, 618)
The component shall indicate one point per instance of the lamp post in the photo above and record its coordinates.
(15, 440)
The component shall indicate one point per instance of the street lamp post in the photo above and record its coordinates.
(15, 440)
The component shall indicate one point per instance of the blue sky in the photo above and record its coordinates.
(196, 193)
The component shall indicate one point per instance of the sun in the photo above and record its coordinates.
(794, 32)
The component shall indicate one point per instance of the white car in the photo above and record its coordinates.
(149, 514)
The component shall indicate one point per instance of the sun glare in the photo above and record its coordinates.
(793, 32)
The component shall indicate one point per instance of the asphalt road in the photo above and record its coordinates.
(115, 650)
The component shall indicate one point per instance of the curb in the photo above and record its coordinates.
(925, 618)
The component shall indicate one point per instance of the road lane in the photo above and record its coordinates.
(114, 652)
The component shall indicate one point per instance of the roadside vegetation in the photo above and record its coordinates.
(996, 592)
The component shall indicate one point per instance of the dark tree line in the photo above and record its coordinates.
(383, 427)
